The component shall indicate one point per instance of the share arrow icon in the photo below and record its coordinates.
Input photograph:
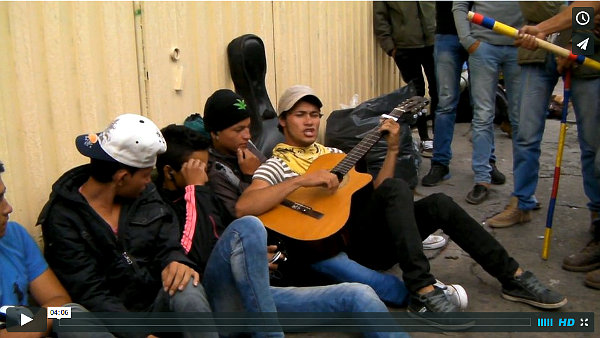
(583, 44)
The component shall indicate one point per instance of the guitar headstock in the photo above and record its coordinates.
(410, 109)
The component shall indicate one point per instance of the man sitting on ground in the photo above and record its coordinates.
(25, 271)
(110, 238)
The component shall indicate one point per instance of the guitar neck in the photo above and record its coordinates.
(357, 152)
(412, 106)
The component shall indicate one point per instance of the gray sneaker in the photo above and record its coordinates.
(455, 293)
(528, 289)
(434, 301)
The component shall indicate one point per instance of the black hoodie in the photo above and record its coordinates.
(101, 271)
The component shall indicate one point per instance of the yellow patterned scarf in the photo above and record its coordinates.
(299, 158)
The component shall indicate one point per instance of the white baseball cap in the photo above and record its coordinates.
(293, 94)
(130, 139)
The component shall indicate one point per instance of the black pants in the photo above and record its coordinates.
(409, 62)
(390, 228)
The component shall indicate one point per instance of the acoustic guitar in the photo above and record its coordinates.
(313, 213)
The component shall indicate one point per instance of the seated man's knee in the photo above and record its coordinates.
(248, 225)
(395, 185)
(363, 298)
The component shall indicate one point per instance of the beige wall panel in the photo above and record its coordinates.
(70, 67)
(201, 31)
(67, 68)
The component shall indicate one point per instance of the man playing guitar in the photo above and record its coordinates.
(389, 226)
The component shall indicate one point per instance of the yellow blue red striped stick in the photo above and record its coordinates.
(507, 30)
(559, 153)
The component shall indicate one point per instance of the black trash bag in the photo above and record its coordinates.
(347, 127)
(248, 67)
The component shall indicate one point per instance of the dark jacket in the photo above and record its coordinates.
(404, 24)
(226, 179)
(101, 271)
(198, 203)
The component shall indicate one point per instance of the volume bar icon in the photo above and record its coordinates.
(544, 321)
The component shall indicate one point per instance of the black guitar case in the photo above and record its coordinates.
(248, 67)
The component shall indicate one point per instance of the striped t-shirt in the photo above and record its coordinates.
(275, 170)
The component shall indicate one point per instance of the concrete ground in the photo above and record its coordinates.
(524, 242)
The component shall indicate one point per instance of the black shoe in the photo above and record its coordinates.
(434, 301)
(437, 174)
(478, 194)
(497, 176)
(436, 309)
(528, 289)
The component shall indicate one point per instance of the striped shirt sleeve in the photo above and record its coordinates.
(274, 171)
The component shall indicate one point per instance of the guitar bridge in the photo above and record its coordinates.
(301, 208)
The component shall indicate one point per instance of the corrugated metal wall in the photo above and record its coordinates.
(68, 68)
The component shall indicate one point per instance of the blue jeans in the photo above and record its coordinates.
(340, 268)
(485, 63)
(538, 81)
(236, 279)
(191, 299)
(586, 104)
(449, 56)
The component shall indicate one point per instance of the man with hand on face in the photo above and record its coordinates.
(110, 238)
(233, 159)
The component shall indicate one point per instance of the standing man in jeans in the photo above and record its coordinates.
(585, 86)
(489, 52)
(539, 77)
(449, 56)
(405, 30)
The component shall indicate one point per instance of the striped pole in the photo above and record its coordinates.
(559, 153)
(507, 30)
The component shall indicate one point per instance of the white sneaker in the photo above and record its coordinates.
(427, 148)
(455, 293)
(433, 242)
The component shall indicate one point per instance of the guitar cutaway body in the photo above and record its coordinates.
(334, 207)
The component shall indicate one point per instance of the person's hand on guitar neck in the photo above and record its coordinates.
(391, 130)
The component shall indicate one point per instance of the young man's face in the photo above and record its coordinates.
(301, 124)
(227, 141)
(134, 184)
(5, 209)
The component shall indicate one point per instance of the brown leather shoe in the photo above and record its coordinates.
(592, 279)
(510, 216)
(587, 259)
